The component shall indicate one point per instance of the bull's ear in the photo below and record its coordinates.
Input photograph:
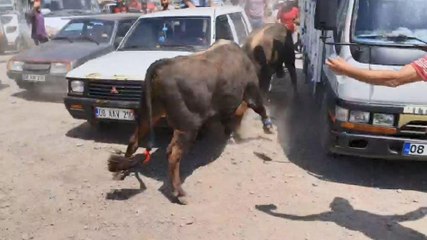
(325, 17)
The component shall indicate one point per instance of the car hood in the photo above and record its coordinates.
(122, 65)
(61, 51)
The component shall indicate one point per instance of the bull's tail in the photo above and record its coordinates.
(149, 77)
(118, 163)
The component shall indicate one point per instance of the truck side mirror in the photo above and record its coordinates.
(325, 17)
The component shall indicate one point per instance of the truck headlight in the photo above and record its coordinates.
(59, 68)
(381, 119)
(77, 86)
(16, 66)
(359, 117)
(341, 114)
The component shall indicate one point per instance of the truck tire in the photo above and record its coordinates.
(326, 140)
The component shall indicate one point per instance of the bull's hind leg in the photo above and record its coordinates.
(141, 130)
(179, 145)
(254, 99)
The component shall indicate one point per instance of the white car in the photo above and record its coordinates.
(58, 13)
(109, 88)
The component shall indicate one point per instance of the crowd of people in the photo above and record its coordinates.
(256, 10)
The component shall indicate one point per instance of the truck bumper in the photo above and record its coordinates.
(372, 146)
(84, 108)
(52, 83)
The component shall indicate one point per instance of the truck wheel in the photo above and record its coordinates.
(326, 140)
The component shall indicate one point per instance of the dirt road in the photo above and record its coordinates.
(54, 183)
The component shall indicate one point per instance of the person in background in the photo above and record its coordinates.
(194, 3)
(144, 7)
(216, 3)
(413, 72)
(38, 28)
(255, 10)
(288, 15)
(165, 4)
(134, 5)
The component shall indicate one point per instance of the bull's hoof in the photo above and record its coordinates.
(180, 197)
(268, 126)
(182, 200)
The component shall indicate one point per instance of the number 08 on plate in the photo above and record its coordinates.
(411, 149)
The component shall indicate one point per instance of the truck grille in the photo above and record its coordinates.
(416, 129)
(37, 68)
(115, 90)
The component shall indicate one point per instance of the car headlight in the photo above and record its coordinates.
(59, 68)
(16, 66)
(77, 86)
(381, 119)
(341, 114)
(359, 117)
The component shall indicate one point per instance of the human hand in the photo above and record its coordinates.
(338, 65)
(266, 208)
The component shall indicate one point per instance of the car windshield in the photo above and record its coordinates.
(98, 31)
(186, 33)
(386, 20)
(71, 6)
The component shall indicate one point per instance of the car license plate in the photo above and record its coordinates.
(415, 149)
(33, 78)
(114, 113)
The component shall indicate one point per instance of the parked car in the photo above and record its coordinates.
(58, 13)
(11, 26)
(109, 88)
(82, 39)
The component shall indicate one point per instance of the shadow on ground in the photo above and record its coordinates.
(40, 96)
(3, 86)
(300, 131)
(205, 150)
(373, 226)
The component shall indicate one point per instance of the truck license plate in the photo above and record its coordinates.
(33, 78)
(114, 113)
(415, 149)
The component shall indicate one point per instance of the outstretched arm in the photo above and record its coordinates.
(407, 74)
(411, 216)
(314, 217)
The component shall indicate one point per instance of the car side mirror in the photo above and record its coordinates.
(325, 17)
(117, 42)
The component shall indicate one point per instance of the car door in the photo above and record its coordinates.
(238, 24)
(223, 29)
(122, 29)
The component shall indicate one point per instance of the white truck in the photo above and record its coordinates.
(109, 88)
(366, 120)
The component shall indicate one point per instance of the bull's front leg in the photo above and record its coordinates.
(179, 145)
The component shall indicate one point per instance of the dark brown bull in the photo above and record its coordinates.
(268, 48)
(220, 82)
